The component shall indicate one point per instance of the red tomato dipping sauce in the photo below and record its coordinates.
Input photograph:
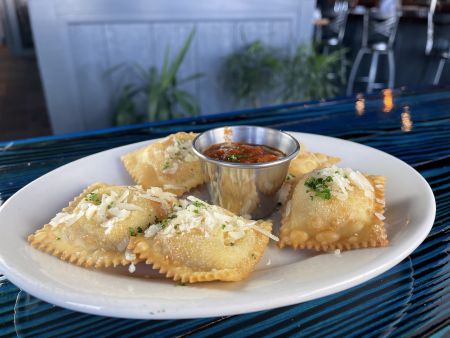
(243, 152)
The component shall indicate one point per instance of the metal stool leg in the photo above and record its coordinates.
(372, 72)
(351, 79)
(343, 65)
(437, 77)
(391, 62)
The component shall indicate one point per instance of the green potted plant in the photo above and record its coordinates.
(252, 73)
(160, 89)
(306, 74)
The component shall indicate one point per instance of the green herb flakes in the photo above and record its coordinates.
(198, 204)
(132, 231)
(319, 186)
(232, 158)
(93, 198)
(164, 223)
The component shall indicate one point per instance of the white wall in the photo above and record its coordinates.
(77, 41)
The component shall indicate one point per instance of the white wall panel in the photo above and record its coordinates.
(78, 41)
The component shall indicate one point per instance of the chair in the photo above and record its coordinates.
(438, 42)
(332, 35)
(379, 30)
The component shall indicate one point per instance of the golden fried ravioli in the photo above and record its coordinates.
(169, 164)
(94, 230)
(335, 208)
(199, 242)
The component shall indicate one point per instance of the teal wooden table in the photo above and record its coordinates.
(411, 299)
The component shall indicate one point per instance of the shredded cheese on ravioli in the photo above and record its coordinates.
(178, 152)
(193, 213)
(108, 209)
(344, 180)
(156, 194)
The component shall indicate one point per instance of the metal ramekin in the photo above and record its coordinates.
(247, 189)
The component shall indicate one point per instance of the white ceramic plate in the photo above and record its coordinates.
(282, 277)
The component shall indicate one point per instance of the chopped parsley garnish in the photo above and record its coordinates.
(166, 165)
(223, 226)
(195, 211)
(58, 238)
(94, 198)
(140, 230)
(289, 177)
(176, 226)
(110, 205)
(232, 158)
(132, 232)
(198, 204)
(164, 223)
(319, 186)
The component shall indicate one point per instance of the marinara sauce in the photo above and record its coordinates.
(242, 152)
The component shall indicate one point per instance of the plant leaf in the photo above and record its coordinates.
(165, 67)
(192, 77)
(176, 63)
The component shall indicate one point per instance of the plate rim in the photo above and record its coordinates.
(363, 274)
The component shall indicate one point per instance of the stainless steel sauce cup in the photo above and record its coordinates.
(247, 189)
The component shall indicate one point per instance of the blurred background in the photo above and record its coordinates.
(74, 65)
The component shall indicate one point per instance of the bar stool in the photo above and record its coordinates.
(379, 30)
(438, 42)
(332, 35)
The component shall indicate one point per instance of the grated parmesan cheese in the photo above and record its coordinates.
(344, 180)
(156, 194)
(178, 152)
(132, 268)
(193, 213)
(113, 208)
(130, 256)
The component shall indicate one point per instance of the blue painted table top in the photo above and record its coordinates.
(411, 299)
